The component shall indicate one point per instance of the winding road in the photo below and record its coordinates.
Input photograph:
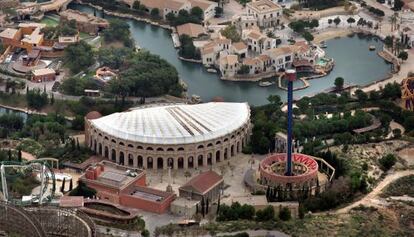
(371, 199)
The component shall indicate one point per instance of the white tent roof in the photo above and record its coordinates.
(175, 124)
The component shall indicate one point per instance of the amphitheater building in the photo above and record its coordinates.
(178, 136)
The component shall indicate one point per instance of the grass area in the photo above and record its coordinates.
(400, 187)
(365, 222)
(84, 35)
(49, 21)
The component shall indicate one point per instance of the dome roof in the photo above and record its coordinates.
(93, 115)
(175, 124)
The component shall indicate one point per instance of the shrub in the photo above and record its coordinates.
(284, 214)
(266, 214)
(387, 162)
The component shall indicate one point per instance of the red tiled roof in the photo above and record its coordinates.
(203, 182)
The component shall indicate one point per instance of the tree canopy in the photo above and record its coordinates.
(145, 75)
(230, 32)
(118, 30)
(79, 56)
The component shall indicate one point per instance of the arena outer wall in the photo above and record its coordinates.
(162, 156)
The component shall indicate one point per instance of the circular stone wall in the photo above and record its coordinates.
(272, 170)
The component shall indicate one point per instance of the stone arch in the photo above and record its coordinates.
(232, 136)
(106, 152)
(140, 147)
(210, 145)
(100, 152)
(130, 145)
(140, 161)
(200, 160)
(100, 134)
(218, 156)
(113, 155)
(232, 151)
(200, 147)
(160, 149)
(218, 142)
(160, 163)
(226, 139)
(170, 163)
(225, 153)
(180, 149)
(170, 149)
(121, 158)
(94, 146)
(150, 148)
(190, 162)
(106, 138)
(122, 144)
(130, 160)
(150, 163)
(209, 158)
(238, 147)
(113, 140)
(180, 163)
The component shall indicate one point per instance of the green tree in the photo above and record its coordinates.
(284, 214)
(266, 214)
(136, 5)
(118, 30)
(230, 32)
(339, 83)
(307, 36)
(361, 95)
(197, 12)
(244, 69)
(350, 20)
(403, 55)
(187, 49)
(79, 56)
(155, 12)
(387, 162)
(337, 20)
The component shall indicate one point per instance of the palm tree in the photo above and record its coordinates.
(393, 19)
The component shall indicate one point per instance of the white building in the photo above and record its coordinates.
(258, 42)
(281, 57)
(229, 65)
(208, 7)
(267, 13)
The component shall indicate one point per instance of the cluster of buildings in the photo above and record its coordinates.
(126, 186)
(257, 53)
(31, 38)
(175, 6)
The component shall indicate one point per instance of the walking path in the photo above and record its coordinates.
(371, 199)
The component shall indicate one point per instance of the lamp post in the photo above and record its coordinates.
(291, 77)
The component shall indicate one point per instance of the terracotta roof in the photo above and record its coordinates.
(93, 115)
(190, 29)
(207, 50)
(264, 57)
(174, 4)
(240, 46)
(264, 6)
(250, 61)
(203, 182)
(280, 51)
(229, 59)
(222, 40)
(71, 201)
(8, 33)
(203, 4)
(255, 35)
